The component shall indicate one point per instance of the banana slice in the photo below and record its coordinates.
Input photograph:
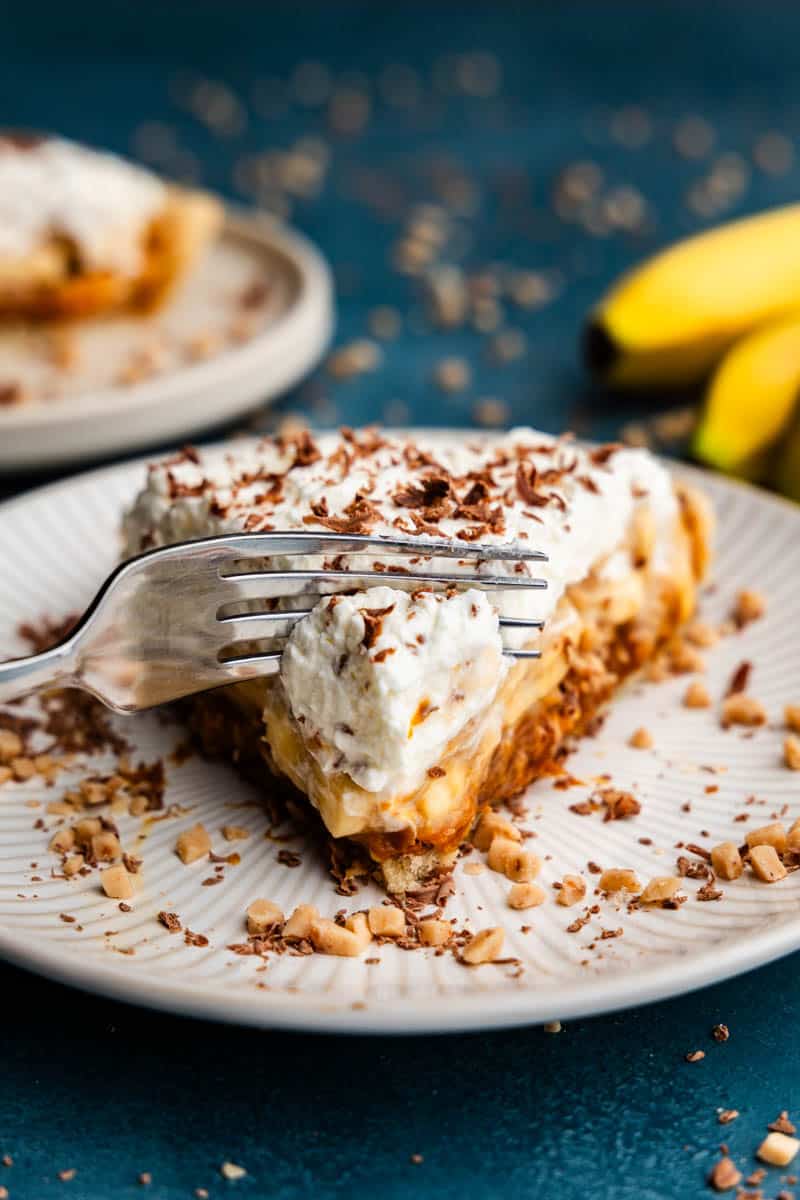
(751, 399)
(668, 321)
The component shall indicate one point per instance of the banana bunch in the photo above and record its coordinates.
(724, 303)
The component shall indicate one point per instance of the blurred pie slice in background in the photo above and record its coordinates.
(85, 233)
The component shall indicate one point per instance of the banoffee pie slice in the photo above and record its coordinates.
(396, 712)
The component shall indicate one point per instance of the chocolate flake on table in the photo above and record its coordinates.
(46, 633)
(580, 922)
(171, 921)
(739, 679)
(194, 939)
(692, 870)
(782, 1124)
(77, 723)
(709, 891)
(619, 805)
(584, 808)
(437, 890)
(231, 860)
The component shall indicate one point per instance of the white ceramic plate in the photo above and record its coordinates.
(253, 354)
(57, 543)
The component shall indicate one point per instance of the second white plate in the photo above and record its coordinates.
(248, 322)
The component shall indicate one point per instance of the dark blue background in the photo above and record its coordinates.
(607, 1109)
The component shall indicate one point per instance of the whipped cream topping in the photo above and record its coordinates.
(100, 202)
(382, 680)
(573, 503)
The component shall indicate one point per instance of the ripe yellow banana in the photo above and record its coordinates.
(751, 399)
(669, 320)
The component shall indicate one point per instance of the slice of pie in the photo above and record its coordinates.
(83, 232)
(396, 712)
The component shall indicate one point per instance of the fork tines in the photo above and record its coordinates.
(270, 585)
(320, 542)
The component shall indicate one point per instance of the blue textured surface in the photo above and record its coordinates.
(608, 1109)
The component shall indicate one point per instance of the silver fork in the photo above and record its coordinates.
(161, 626)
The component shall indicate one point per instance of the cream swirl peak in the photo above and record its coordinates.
(382, 680)
(50, 187)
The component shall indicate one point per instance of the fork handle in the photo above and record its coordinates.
(51, 668)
